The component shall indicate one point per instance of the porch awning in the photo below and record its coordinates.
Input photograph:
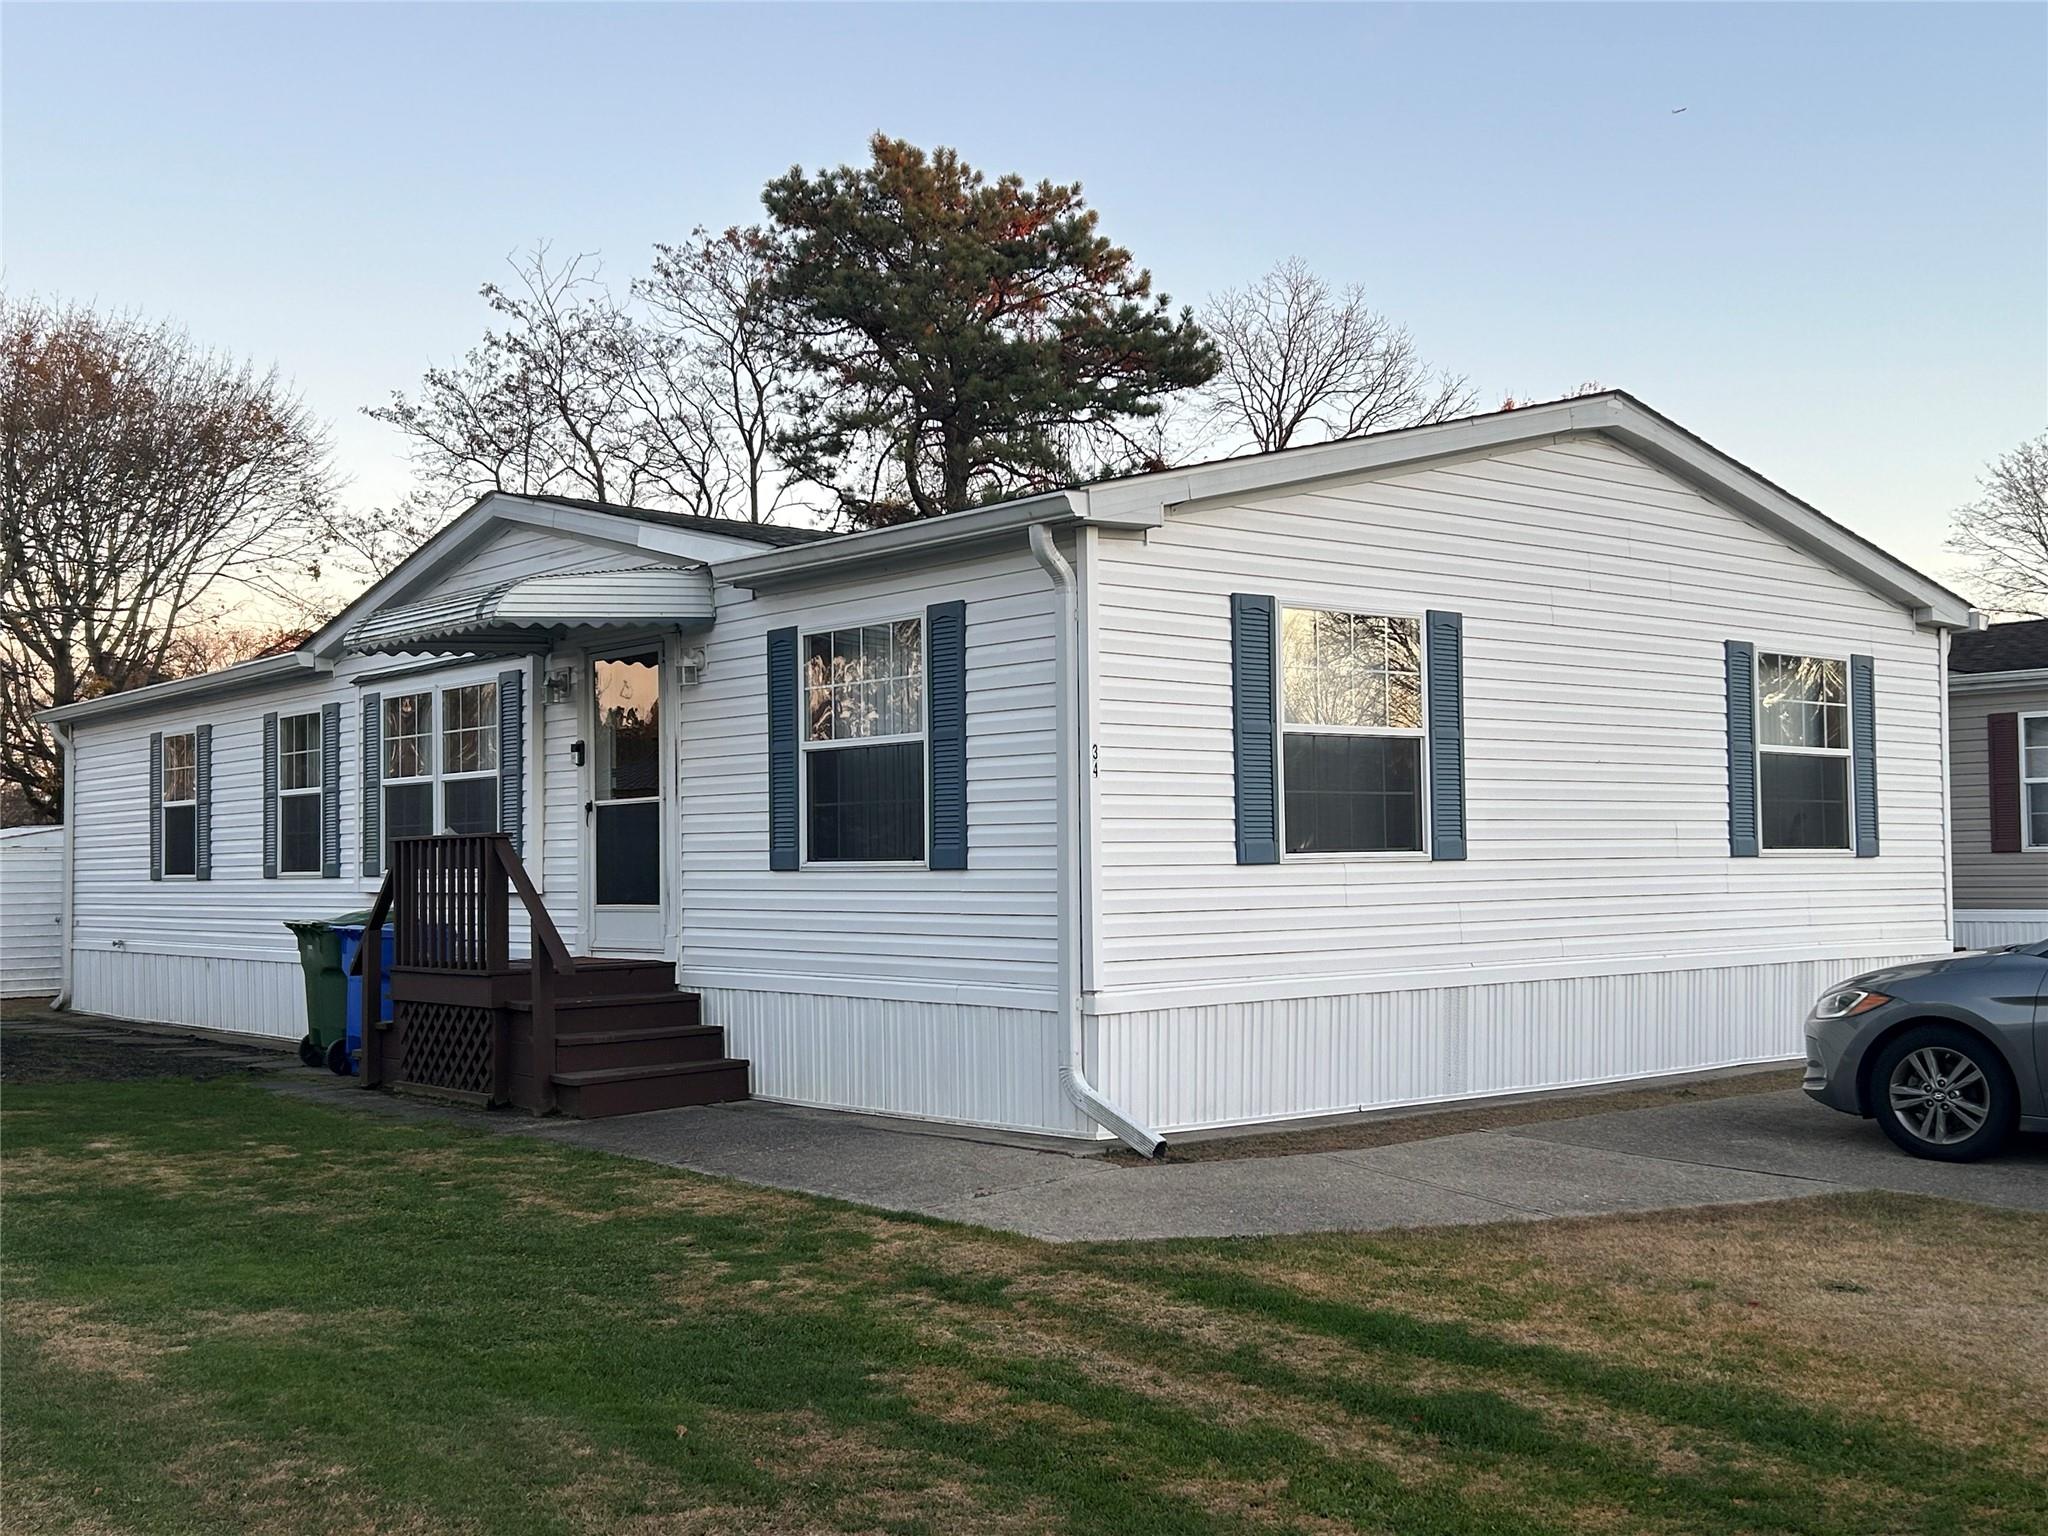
(527, 613)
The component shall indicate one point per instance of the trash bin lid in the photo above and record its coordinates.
(322, 924)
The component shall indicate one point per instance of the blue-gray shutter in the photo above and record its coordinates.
(1741, 661)
(373, 783)
(1863, 751)
(156, 805)
(330, 791)
(1444, 657)
(202, 810)
(945, 689)
(270, 797)
(782, 750)
(512, 756)
(1254, 623)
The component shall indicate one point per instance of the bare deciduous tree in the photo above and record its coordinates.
(2004, 533)
(1303, 363)
(149, 485)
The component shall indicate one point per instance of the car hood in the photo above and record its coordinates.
(1893, 977)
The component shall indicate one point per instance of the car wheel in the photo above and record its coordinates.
(1943, 1093)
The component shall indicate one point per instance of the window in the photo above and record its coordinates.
(469, 758)
(298, 795)
(2034, 781)
(408, 772)
(181, 804)
(1351, 724)
(1802, 738)
(864, 752)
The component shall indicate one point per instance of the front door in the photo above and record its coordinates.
(624, 822)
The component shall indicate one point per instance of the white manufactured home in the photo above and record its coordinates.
(1543, 748)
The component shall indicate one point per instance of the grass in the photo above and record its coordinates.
(226, 1309)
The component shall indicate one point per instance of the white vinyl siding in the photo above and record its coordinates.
(31, 911)
(1597, 591)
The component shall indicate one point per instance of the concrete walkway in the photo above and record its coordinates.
(1767, 1146)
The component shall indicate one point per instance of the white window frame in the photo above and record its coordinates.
(313, 793)
(1844, 751)
(486, 729)
(385, 780)
(1419, 733)
(806, 746)
(165, 804)
(2026, 805)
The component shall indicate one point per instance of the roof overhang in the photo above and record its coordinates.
(261, 673)
(1144, 501)
(1975, 682)
(530, 613)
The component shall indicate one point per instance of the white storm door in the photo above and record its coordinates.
(625, 822)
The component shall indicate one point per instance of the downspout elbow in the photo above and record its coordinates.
(1074, 1075)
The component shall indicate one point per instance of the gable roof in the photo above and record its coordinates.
(776, 534)
(2016, 647)
(1141, 501)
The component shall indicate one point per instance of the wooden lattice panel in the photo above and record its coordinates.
(446, 1046)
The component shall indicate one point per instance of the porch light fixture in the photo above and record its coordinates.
(561, 686)
(690, 667)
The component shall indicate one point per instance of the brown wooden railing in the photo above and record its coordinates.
(449, 899)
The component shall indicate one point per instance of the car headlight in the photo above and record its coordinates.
(1847, 1001)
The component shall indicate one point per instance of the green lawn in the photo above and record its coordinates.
(226, 1309)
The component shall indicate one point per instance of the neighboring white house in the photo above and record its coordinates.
(1998, 730)
(31, 911)
(1541, 748)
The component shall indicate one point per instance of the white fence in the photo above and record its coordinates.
(31, 910)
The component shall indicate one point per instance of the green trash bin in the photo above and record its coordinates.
(326, 986)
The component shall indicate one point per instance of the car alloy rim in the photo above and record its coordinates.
(1940, 1095)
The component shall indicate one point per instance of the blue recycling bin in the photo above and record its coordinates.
(351, 936)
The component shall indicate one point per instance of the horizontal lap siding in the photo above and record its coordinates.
(1985, 879)
(517, 553)
(31, 911)
(990, 926)
(1597, 591)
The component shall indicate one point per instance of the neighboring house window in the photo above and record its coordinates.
(1802, 739)
(1351, 719)
(864, 743)
(2034, 780)
(181, 804)
(408, 778)
(298, 794)
(469, 758)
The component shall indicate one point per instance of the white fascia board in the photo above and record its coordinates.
(1984, 682)
(909, 541)
(621, 531)
(247, 674)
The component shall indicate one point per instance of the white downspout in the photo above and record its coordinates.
(1067, 747)
(63, 997)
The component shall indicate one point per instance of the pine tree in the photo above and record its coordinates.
(956, 333)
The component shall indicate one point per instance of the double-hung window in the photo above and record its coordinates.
(1802, 739)
(469, 758)
(1351, 723)
(181, 804)
(298, 794)
(408, 768)
(2034, 781)
(864, 744)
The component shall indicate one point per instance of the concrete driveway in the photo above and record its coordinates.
(1765, 1146)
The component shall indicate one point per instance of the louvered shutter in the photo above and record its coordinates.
(202, 810)
(1444, 646)
(945, 627)
(270, 797)
(373, 783)
(1741, 669)
(2002, 747)
(330, 791)
(783, 850)
(156, 805)
(1254, 623)
(512, 756)
(1863, 752)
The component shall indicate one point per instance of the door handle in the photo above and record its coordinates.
(588, 807)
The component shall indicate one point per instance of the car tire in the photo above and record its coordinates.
(1943, 1093)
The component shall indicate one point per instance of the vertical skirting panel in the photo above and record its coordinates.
(1181, 1069)
(933, 1061)
(256, 997)
(1990, 930)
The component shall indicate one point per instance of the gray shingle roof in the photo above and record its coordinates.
(780, 535)
(2017, 647)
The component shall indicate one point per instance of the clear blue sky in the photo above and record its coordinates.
(1833, 263)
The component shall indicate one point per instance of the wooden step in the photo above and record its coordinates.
(605, 976)
(624, 1010)
(636, 1090)
(590, 1050)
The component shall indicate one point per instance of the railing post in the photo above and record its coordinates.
(490, 869)
(543, 997)
(372, 954)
